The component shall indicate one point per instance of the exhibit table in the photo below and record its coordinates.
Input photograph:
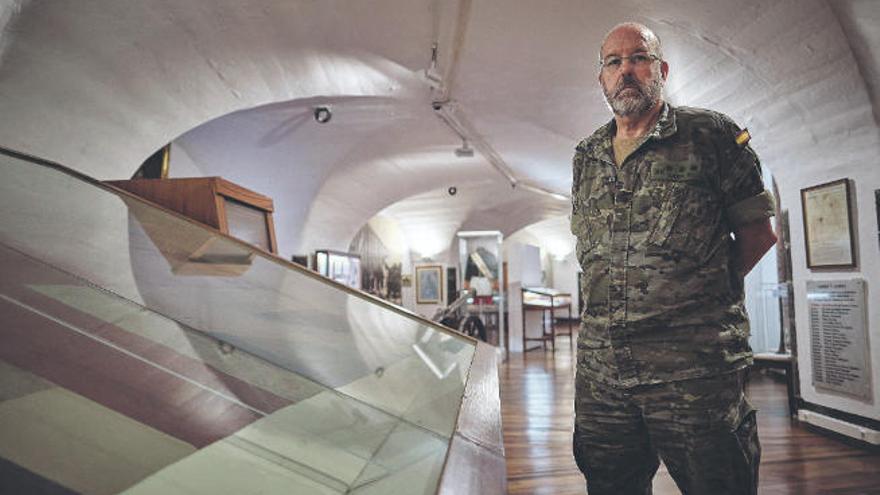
(547, 301)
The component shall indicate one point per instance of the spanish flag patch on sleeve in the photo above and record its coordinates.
(743, 137)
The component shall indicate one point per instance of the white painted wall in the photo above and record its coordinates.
(182, 165)
(762, 303)
(866, 180)
(565, 278)
(525, 269)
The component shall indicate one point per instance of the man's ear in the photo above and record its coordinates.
(664, 69)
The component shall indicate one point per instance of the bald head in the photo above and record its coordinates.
(632, 89)
(641, 30)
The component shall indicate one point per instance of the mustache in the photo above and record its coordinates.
(626, 83)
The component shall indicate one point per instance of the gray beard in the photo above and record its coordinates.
(629, 105)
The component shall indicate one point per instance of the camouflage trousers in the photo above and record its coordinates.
(703, 429)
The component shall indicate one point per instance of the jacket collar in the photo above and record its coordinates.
(599, 144)
(665, 125)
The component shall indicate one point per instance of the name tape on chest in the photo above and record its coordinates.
(676, 171)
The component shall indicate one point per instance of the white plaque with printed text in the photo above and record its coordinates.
(839, 337)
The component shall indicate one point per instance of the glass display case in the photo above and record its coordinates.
(481, 269)
(549, 302)
(120, 375)
(344, 268)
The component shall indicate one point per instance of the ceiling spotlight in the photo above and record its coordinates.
(465, 151)
(322, 115)
(452, 190)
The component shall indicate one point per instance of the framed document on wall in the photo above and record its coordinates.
(828, 225)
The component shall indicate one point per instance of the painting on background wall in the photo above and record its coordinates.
(429, 284)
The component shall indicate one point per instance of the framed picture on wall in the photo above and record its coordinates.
(429, 284)
(828, 225)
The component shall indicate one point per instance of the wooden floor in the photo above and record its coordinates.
(537, 393)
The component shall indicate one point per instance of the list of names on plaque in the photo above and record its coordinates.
(838, 336)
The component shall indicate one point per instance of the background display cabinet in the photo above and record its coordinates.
(482, 278)
(344, 268)
(551, 304)
(118, 375)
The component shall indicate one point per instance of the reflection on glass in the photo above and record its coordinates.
(344, 268)
(321, 261)
(141, 353)
(247, 223)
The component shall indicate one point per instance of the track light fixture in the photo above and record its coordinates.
(465, 151)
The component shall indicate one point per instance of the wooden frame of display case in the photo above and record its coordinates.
(203, 199)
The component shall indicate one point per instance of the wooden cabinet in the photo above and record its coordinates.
(214, 201)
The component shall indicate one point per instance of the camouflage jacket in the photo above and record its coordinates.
(661, 302)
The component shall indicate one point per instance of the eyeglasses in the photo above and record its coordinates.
(614, 62)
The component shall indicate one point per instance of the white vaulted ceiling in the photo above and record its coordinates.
(99, 85)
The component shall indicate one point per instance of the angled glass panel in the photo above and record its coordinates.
(144, 353)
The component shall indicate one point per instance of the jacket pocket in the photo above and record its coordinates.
(587, 229)
(685, 223)
(745, 434)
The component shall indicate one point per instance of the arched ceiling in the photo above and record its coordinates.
(430, 220)
(552, 233)
(99, 85)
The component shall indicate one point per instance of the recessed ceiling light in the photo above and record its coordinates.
(323, 115)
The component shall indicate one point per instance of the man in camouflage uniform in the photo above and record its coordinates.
(663, 343)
